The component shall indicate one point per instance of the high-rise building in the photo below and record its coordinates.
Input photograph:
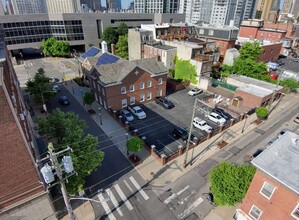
(264, 7)
(28, 6)
(199, 11)
(1, 9)
(249, 7)
(287, 6)
(111, 5)
(295, 9)
(66, 6)
(94, 5)
(274, 11)
(9, 8)
(156, 6)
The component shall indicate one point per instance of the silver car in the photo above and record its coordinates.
(126, 115)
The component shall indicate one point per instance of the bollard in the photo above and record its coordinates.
(163, 157)
(114, 113)
(135, 132)
(209, 135)
(120, 118)
(126, 125)
(241, 117)
(231, 122)
(153, 150)
(220, 128)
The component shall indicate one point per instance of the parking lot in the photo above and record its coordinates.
(157, 127)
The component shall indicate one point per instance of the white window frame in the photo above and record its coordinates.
(103, 91)
(123, 90)
(124, 103)
(132, 100)
(142, 98)
(159, 92)
(132, 88)
(265, 187)
(254, 206)
(141, 87)
(296, 208)
(149, 84)
(160, 81)
(149, 96)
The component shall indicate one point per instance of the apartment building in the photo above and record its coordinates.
(274, 190)
(66, 6)
(28, 6)
(156, 6)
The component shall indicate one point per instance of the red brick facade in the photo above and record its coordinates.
(274, 35)
(223, 45)
(270, 52)
(281, 204)
(112, 96)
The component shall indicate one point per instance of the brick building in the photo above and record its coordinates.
(254, 92)
(274, 190)
(117, 82)
(22, 194)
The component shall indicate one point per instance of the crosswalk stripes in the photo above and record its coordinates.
(117, 197)
(106, 207)
(139, 188)
(123, 197)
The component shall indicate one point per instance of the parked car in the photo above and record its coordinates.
(296, 59)
(272, 141)
(137, 111)
(54, 80)
(222, 113)
(182, 133)
(216, 118)
(126, 115)
(201, 124)
(64, 100)
(296, 120)
(194, 91)
(55, 88)
(280, 62)
(166, 103)
(282, 132)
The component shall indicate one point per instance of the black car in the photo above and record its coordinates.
(222, 113)
(164, 102)
(280, 63)
(64, 100)
(181, 133)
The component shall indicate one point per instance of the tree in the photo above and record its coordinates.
(40, 86)
(66, 129)
(135, 144)
(52, 47)
(261, 112)
(122, 29)
(230, 182)
(185, 71)
(250, 50)
(110, 36)
(122, 47)
(290, 85)
(88, 98)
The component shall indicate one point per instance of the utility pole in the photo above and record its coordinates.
(49, 177)
(189, 135)
(273, 95)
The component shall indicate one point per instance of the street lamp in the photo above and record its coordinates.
(100, 114)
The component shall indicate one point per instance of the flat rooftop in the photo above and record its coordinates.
(216, 27)
(255, 90)
(164, 47)
(255, 82)
(280, 161)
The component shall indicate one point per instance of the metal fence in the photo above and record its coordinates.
(224, 85)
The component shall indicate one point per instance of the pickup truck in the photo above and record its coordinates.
(202, 125)
(137, 111)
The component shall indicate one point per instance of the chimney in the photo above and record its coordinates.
(113, 49)
(104, 47)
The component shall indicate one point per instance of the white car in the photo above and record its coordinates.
(202, 124)
(216, 118)
(138, 112)
(194, 91)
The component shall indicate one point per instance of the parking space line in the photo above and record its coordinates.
(164, 145)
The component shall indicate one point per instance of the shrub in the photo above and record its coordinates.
(261, 112)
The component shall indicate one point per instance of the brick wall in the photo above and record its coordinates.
(250, 100)
(223, 46)
(270, 52)
(113, 96)
(246, 31)
(279, 206)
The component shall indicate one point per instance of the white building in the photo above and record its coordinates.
(63, 6)
(156, 6)
(28, 6)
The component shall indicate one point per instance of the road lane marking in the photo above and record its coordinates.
(106, 207)
(123, 197)
(129, 187)
(168, 200)
(190, 208)
(144, 195)
(114, 201)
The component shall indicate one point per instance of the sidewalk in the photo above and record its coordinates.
(150, 169)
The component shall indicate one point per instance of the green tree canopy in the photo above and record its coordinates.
(88, 98)
(230, 182)
(122, 47)
(122, 29)
(66, 129)
(250, 50)
(185, 71)
(39, 86)
(110, 36)
(53, 47)
(290, 85)
(135, 144)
